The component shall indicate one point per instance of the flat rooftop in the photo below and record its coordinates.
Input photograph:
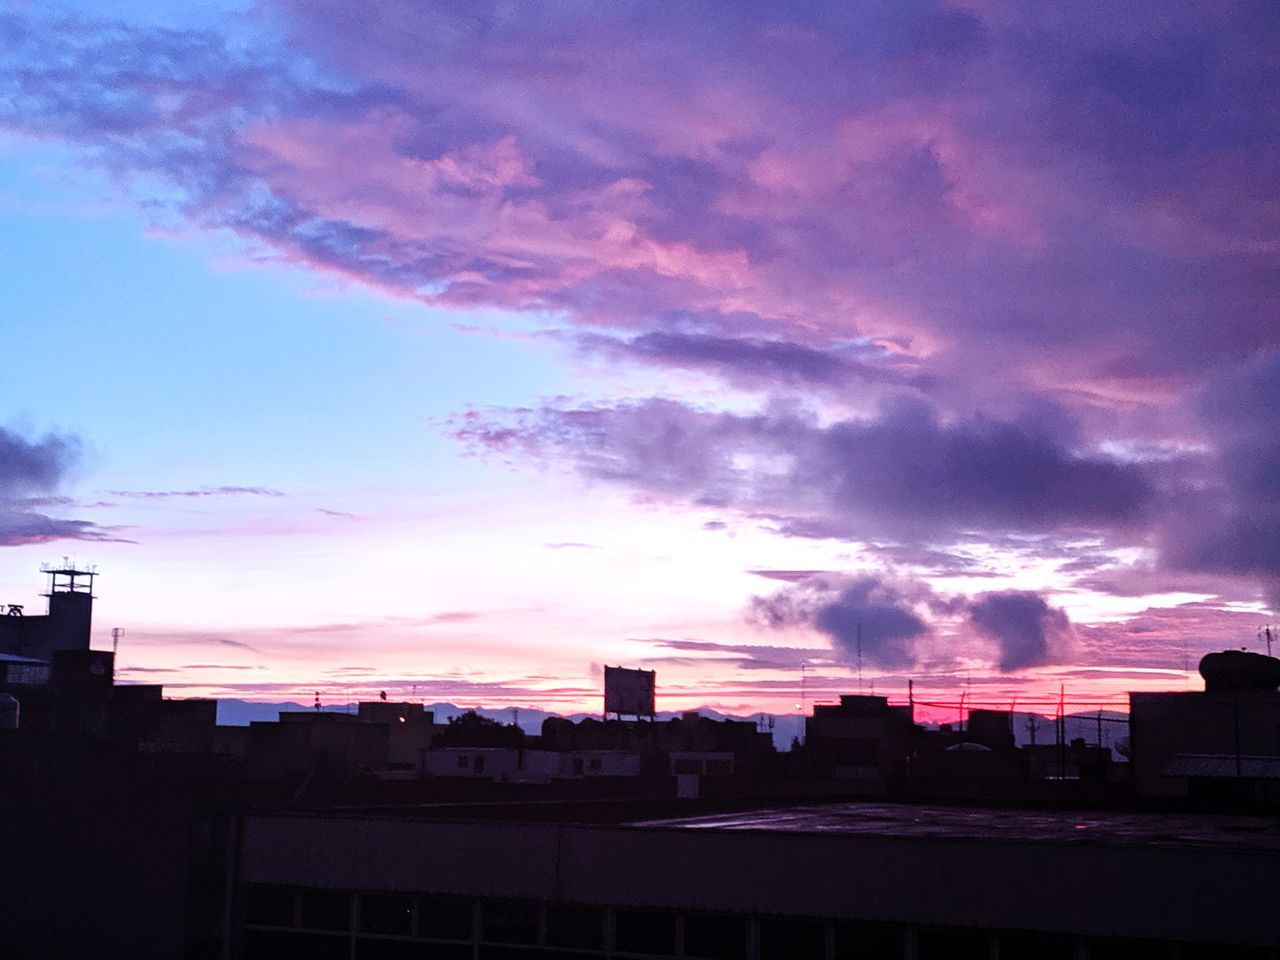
(854, 819)
(1055, 826)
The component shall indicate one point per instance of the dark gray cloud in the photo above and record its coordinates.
(1027, 630)
(34, 466)
(885, 620)
(1229, 523)
(904, 473)
(30, 473)
(871, 621)
(756, 362)
(864, 617)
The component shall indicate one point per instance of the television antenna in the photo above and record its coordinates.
(1265, 632)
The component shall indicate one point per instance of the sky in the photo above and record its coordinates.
(456, 349)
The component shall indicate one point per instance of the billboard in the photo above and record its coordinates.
(629, 692)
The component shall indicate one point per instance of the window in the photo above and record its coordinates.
(595, 763)
(1128, 949)
(445, 918)
(371, 949)
(385, 913)
(269, 906)
(868, 941)
(276, 945)
(715, 936)
(504, 921)
(954, 945)
(645, 931)
(577, 766)
(792, 940)
(463, 761)
(325, 909)
(1030, 946)
(581, 928)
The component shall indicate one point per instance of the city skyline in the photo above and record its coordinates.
(466, 348)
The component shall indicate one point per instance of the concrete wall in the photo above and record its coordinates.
(1138, 890)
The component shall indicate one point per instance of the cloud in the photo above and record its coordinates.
(744, 656)
(867, 619)
(1027, 630)
(882, 622)
(451, 616)
(754, 362)
(989, 208)
(1229, 523)
(30, 473)
(227, 491)
(903, 473)
(34, 466)
(746, 189)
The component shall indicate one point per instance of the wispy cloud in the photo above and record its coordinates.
(202, 492)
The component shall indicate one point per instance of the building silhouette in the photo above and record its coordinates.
(383, 833)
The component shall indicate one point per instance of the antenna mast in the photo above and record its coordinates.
(859, 657)
(1265, 632)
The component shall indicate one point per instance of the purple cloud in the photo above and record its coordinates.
(864, 617)
(34, 466)
(949, 182)
(997, 209)
(754, 363)
(903, 473)
(1027, 630)
(883, 620)
(1229, 523)
(30, 473)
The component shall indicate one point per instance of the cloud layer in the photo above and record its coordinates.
(902, 472)
(985, 271)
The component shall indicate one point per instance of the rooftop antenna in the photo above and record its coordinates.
(1265, 632)
(859, 657)
(804, 665)
(116, 634)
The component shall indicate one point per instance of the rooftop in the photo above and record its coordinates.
(909, 820)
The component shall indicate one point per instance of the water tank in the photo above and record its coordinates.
(1233, 670)
(8, 712)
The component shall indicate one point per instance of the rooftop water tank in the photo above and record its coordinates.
(1239, 670)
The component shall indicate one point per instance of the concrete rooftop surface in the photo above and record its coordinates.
(1054, 826)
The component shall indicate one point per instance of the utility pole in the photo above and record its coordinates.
(1062, 731)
